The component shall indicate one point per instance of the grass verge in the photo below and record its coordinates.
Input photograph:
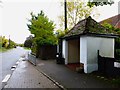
(3, 49)
(26, 48)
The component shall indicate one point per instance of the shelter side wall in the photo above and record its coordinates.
(93, 45)
(107, 47)
(65, 51)
(104, 45)
(63, 48)
(83, 49)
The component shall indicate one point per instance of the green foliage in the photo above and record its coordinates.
(27, 48)
(76, 11)
(117, 47)
(60, 33)
(114, 30)
(21, 45)
(117, 30)
(2, 49)
(0, 41)
(4, 44)
(42, 28)
(100, 2)
(111, 28)
(45, 41)
(12, 44)
(28, 41)
(117, 53)
(4, 41)
(117, 42)
(34, 47)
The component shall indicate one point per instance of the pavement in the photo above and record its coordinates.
(48, 74)
(68, 78)
(26, 76)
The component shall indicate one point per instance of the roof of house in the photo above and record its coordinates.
(118, 24)
(88, 26)
(115, 21)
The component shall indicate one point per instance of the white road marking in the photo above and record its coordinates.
(21, 59)
(17, 62)
(5, 80)
(12, 69)
(14, 66)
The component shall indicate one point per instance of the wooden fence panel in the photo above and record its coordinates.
(106, 66)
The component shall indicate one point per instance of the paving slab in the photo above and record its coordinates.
(69, 78)
(26, 76)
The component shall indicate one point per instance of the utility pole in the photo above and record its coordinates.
(65, 9)
(60, 39)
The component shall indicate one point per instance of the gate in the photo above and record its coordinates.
(107, 66)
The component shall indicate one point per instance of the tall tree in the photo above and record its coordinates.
(42, 28)
(4, 42)
(92, 3)
(12, 44)
(111, 28)
(28, 41)
(76, 11)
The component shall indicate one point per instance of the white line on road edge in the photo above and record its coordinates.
(12, 69)
(4, 81)
(17, 62)
(21, 59)
(7, 77)
(14, 66)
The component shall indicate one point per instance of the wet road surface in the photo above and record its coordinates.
(9, 58)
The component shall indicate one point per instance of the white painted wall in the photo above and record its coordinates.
(65, 50)
(57, 48)
(83, 52)
(83, 49)
(93, 45)
(105, 47)
(89, 47)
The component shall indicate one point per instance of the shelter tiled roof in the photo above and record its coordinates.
(87, 26)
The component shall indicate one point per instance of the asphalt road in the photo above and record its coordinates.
(9, 58)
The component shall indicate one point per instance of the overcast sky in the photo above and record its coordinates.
(14, 15)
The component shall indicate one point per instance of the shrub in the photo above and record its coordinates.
(117, 51)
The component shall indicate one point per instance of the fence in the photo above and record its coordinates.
(32, 58)
(47, 52)
(108, 66)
